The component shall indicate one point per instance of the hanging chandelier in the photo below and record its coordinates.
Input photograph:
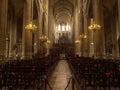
(48, 41)
(77, 41)
(31, 27)
(43, 38)
(83, 36)
(94, 27)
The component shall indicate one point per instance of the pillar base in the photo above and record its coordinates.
(27, 56)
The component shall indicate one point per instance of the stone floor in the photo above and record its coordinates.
(60, 77)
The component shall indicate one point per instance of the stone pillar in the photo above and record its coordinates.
(51, 25)
(3, 27)
(91, 39)
(76, 24)
(84, 27)
(39, 30)
(27, 35)
(119, 14)
(85, 32)
(46, 26)
(47, 3)
(114, 38)
(46, 18)
(99, 35)
(115, 34)
(81, 26)
(12, 28)
(76, 27)
(86, 40)
(119, 23)
(117, 43)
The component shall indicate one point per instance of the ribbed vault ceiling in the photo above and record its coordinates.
(17, 5)
(63, 11)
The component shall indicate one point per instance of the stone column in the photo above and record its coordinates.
(46, 18)
(99, 35)
(86, 40)
(27, 35)
(114, 37)
(81, 27)
(51, 25)
(39, 30)
(91, 39)
(85, 32)
(76, 23)
(115, 34)
(117, 43)
(81, 31)
(119, 22)
(12, 28)
(76, 27)
(47, 28)
(3, 27)
(119, 14)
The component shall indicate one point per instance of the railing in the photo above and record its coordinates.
(47, 84)
(72, 84)
(26, 74)
(98, 74)
(68, 83)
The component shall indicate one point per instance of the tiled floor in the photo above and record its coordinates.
(60, 77)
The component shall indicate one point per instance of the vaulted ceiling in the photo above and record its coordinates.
(63, 11)
(16, 6)
(109, 7)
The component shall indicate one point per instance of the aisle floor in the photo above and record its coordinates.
(60, 77)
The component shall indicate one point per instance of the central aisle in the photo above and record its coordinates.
(60, 76)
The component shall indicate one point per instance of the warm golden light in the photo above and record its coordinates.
(59, 27)
(79, 11)
(35, 44)
(63, 27)
(77, 41)
(67, 27)
(43, 38)
(31, 27)
(83, 36)
(92, 43)
(48, 41)
(94, 27)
